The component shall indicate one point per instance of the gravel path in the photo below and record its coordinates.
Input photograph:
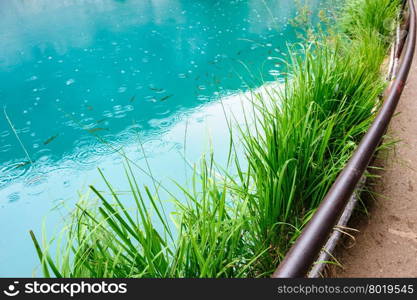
(387, 243)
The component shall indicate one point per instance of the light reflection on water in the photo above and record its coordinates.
(82, 79)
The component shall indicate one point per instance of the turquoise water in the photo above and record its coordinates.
(81, 79)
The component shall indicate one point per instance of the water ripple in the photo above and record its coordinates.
(13, 170)
(88, 153)
(13, 197)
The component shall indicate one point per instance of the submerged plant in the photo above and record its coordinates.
(295, 143)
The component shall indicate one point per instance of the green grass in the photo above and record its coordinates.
(370, 15)
(242, 224)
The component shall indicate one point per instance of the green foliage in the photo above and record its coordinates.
(375, 16)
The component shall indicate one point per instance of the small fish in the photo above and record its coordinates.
(89, 107)
(239, 52)
(132, 99)
(50, 139)
(156, 89)
(165, 98)
(93, 130)
(101, 121)
(22, 164)
(216, 80)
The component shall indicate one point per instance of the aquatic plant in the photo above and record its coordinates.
(241, 223)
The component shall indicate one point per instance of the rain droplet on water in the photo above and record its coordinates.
(70, 81)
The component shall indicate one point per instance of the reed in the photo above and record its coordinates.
(241, 223)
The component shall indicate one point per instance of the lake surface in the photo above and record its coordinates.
(83, 79)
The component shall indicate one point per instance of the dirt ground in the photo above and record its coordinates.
(386, 245)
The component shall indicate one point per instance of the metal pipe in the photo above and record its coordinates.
(303, 253)
(326, 253)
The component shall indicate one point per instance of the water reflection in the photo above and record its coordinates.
(63, 25)
(73, 68)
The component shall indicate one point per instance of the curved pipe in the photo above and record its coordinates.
(303, 253)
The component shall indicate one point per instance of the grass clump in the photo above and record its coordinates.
(376, 16)
(242, 224)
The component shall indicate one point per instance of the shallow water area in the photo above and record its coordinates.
(86, 80)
